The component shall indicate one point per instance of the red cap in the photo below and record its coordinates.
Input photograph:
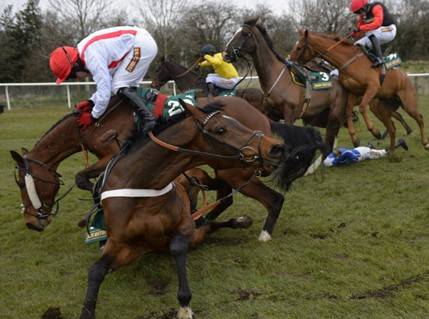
(61, 62)
(356, 5)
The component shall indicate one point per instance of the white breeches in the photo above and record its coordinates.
(221, 82)
(383, 34)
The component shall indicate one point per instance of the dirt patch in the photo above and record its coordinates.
(246, 294)
(159, 287)
(170, 314)
(52, 313)
(319, 236)
(389, 291)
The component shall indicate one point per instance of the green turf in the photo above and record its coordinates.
(351, 242)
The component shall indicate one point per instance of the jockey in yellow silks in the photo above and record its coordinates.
(225, 76)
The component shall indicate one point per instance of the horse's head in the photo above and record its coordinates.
(163, 74)
(303, 52)
(230, 139)
(243, 41)
(39, 185)
(302, 144)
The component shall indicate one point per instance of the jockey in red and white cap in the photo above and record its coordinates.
(377, 24)
(117, 58)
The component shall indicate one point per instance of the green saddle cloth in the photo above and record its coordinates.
(164, 107)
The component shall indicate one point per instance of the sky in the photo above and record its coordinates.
(276, 5)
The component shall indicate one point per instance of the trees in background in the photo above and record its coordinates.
(180, 27)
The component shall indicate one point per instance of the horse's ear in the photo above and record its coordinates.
(252, 21)
(191, 109)
(24, 150)
(17, 158)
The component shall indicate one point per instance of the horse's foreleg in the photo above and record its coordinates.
(223, 189)
(351, 100)
(82, 177)
(179, 250)
(369, 95)
(114, 256)
(96, 275)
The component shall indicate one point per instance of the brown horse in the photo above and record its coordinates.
(360, 79)
(188, 79)
(137, 223)
(282, 94)
(65, 138)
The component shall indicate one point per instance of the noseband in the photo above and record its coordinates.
(201, 126)
(29, 184)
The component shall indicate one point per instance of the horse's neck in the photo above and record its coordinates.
(337, 56)
(266, 64)
(188, 81)
(153, 166)
(58, 143)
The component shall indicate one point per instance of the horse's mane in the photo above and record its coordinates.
(334, 37)
(267, 39)
(54, 126)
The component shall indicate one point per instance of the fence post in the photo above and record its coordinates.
(7, 97)
(68, 96)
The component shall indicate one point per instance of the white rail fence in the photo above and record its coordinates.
(68, 85)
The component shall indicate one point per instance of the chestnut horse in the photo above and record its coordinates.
(360, 79)
(65, 138)
(326, 108)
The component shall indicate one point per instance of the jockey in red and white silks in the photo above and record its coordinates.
(117, 58)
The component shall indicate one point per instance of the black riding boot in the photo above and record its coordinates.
(131, 94)
(377, 49)
(211, 89)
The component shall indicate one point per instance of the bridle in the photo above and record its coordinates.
(201, 126)
(236, 51)
(43, 210)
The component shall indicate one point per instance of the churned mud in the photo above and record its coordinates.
(52, 313)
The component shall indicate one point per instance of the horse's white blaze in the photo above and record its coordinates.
(264, 236)
(31, 191)
(185, 313)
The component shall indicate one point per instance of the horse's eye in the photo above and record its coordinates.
(220, 130)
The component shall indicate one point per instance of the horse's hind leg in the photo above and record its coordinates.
(398, 116)
(179, 250)
(409, 102)
(351, 100)
(383, 112)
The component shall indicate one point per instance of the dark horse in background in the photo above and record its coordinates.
(326, 108)
(65, 138)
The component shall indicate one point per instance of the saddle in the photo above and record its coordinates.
(391, 61)
(305, 76)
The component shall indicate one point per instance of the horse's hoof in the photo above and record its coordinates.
(185, 313)
(427, 147)
(383, 136)
(376, 133)
(242, 222)
(356, 142)
(264, 236)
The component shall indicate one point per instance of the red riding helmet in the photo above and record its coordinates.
(357, 5)
(61, 62)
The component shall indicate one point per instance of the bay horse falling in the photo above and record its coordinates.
(136, 225)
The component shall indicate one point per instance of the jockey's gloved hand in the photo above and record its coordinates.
(85, 119)
(84, 106)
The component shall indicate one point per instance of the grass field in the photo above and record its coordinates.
(351, 242)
